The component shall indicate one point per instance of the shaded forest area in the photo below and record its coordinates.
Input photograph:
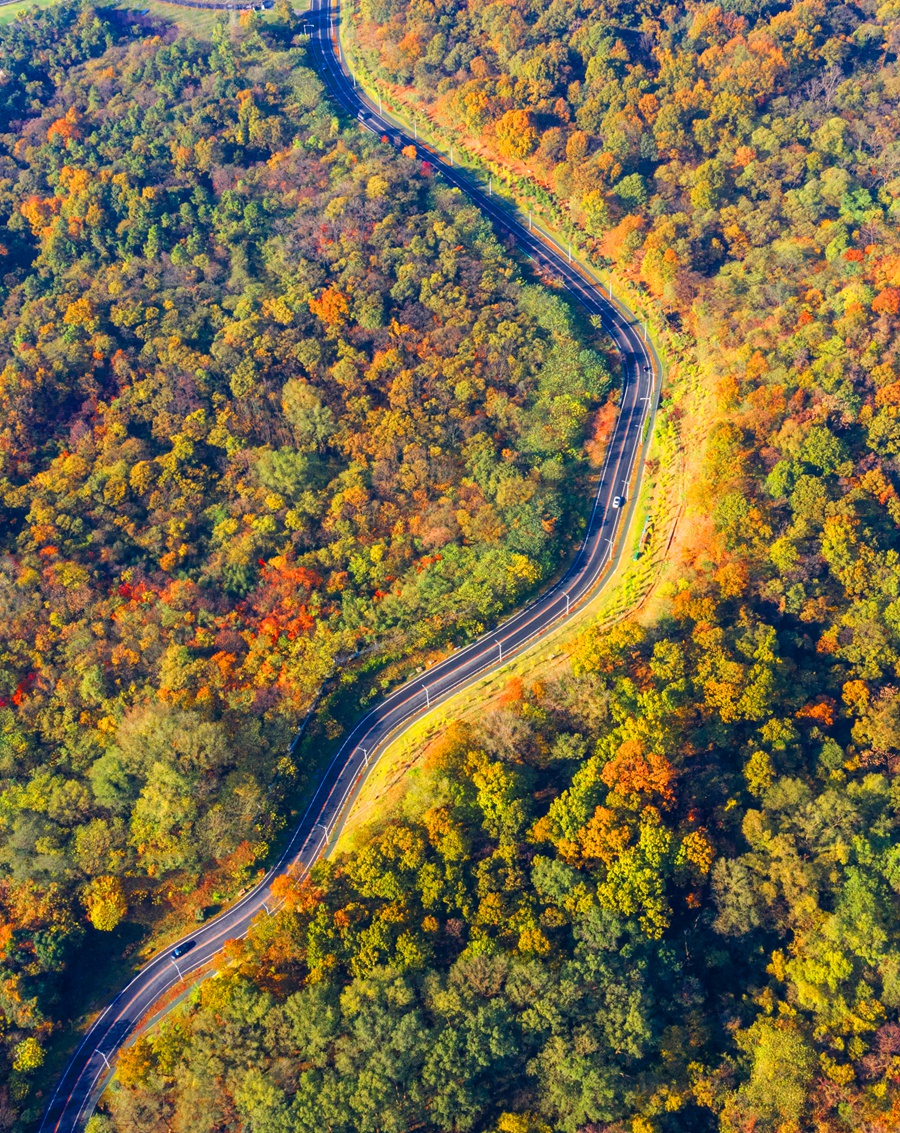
(270, 396)
(659, 894)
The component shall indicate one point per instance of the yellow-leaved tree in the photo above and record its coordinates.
(105, 902)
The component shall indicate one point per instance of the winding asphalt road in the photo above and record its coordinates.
(83, 1079)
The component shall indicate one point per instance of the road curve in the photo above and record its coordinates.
(76, 1093)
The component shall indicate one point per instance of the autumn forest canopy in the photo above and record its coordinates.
(278, 405)
(272, 400)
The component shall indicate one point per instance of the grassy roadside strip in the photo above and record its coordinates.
(654, 510)
(657, 505)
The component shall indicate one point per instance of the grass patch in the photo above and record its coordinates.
(190, 21)
(10, 11)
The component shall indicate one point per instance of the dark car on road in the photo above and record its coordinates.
(178, 952)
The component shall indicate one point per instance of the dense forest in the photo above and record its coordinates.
(271, 398)
(634, 898)
(658, 893)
